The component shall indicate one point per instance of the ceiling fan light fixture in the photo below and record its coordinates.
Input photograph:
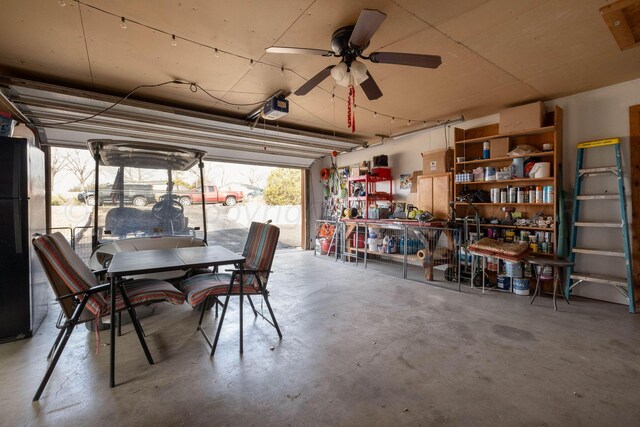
(343, 74)
(359, 71)
(339, 72)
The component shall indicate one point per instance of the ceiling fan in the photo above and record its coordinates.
(348, 43)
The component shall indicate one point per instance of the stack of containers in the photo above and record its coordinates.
(519, 283)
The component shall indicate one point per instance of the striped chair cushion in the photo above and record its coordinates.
(78, 277)
(258, 252)
(69, 267)
(145, 291)
(197, 288)
(260, 249)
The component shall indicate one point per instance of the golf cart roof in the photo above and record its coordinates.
(144, 155)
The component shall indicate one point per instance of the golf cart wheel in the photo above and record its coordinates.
(230, 201)
(90, 200)
(185, 201)
(139, 201)
(450, 274)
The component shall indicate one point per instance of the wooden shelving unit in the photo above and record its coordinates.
(469, 144)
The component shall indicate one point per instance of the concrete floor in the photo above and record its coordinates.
(359, 348)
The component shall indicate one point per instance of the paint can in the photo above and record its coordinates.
(504, 282)
(513, 269)
(520, 286)
(492, 263)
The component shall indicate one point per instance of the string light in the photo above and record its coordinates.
(216, 51)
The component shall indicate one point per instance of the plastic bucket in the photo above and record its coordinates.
(513, 269)
(326, 246)
(520, 286)
(504, 282)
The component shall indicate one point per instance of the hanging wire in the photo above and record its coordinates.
(216, 52)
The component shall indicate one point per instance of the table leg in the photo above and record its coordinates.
(484, 267)
(564, 296)
(555, 286)
(538, 273)
(112, 329)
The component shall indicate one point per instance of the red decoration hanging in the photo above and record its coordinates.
(351, 114)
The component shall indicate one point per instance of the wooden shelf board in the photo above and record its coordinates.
(507, 181)
(500, 159)
(518, 227)
(545, 129)
(411, 259)
(370, 178)
(506, 204)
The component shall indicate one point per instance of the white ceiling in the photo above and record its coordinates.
(496, 53)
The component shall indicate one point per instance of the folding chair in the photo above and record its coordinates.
(83, 299)
(259, 251)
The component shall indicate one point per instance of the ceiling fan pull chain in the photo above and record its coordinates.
(349, 108)
(351, 113)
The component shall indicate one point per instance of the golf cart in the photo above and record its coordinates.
(163, 224)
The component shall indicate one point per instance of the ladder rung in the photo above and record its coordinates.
(598, 278)
(598, 196)
(599, 171)
(598, 252)
(599, 143)
(599, 224)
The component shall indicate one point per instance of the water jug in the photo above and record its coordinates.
(517, 167)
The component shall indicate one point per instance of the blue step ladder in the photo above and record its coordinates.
(574, 278)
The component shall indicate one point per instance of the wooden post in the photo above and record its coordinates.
(304, 217)
(634, 148)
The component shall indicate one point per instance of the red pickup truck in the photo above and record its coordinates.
(211, 195)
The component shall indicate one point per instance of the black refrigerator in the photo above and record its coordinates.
(24, 290)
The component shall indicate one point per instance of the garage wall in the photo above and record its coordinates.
(316, 195)
(596, 114)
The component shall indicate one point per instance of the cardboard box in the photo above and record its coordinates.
(523, 117)
(437, 161)
(499, 147)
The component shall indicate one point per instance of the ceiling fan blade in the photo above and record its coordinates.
(299, 50)
(314, 81)
(368, 23)
(371, 88)
(411, 59)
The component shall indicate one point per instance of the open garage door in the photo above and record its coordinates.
(61, 117)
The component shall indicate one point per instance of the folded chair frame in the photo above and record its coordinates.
(67, 327)
(262, 290)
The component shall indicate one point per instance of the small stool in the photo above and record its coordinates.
(556, 264)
